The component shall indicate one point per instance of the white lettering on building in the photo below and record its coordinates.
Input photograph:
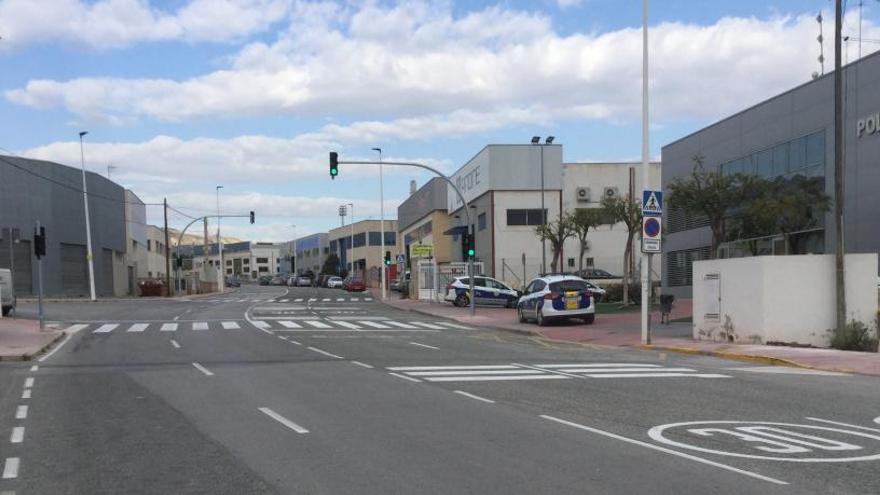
(868, 125)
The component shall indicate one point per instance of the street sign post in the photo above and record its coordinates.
(652, 203)
(652, 228)
(401, 258)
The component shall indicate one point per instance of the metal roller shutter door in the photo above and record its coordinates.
(74, 271)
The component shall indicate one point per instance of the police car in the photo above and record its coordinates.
(556, 297)
(487, 289)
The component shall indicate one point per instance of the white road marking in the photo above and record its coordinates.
(59, 346)
(399, 324)
(204, 370)
(598, 365)
(363, 365)
(664, 450)
(262, 325)
(476, 373)
(650, 371)
(281, 419)
(75, 328)
(294, 342)
(373, 324)
(425, 345)
(556, 372)
(354, 299)
(21, 412)
(398, 375)
(658, 374)
(494, 378)
(29, 382)
(200, 325)
(431, 368)
(340, 299)
(454, 325)
(472, 396)
(312, 299)
(299, 299)
(34, 367)
(877, 420)
(106, 328)
(175, 344)
(347, 325)
(317, 324)
(10, 468)
(325, 299)
(17, 434)
(26, 393)
(786, 370)
(427, 325)
(324, 352)
(138, 327)
(875, 430)
(289, 324)
(230, 325)
(368, 299)
(168, 327)
(284, 300)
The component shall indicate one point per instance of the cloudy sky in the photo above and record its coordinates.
(182, 95)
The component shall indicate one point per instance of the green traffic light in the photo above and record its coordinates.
(471, 252)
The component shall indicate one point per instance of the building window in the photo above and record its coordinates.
(247, 261)
(229, 271)
(524, 217)
(326, 251)
(571, 262)
(263, 269)
(228, 262)
(590, 262)
(360, 239)
(680, 265)
(481, 221)
(150, 274)
(148, 245)
(333, 247)
(263, 260)
(277, 261)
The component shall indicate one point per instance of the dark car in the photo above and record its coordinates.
(595, 273)
(233, 282)
(354, 285)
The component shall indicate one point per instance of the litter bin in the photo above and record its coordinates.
(666, 301)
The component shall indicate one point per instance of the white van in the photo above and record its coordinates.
(7, 297)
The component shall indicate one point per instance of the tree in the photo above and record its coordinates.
(556, 232)
(796, 204)
(331, 265)
(708, 193)
(629, 212)
(582, 220)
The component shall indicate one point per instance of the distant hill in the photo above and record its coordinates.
(197, 237)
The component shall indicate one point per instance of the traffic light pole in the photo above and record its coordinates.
(472, 275)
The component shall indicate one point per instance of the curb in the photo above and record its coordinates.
(421, 312)
(30, 356)
(749, 358)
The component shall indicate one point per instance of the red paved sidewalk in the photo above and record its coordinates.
(21, 340)
(624, 330)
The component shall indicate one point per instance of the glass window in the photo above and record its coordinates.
(535, 217)
(481, 221)
(390, 238)
(571, 262)
(764, 164)
(517, 217)
(567, 285)
(375, 238)
(333, 247)
(228, 262)
(590, 261)
(780, 159)
(360, 239)
(149, 246)
(747, 165)
(479, 282)
(262, 260)
(797, 155)
(539, 285)
(816, 149)
(465, 280)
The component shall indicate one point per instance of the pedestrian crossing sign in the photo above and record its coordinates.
(652, 203)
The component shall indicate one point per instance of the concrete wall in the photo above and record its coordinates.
(430, 197)
(779, 298)
(511, 241)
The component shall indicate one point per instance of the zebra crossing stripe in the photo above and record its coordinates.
(657, 374)
(230, 325)
(427, 325)
(261, 324)
(299, 299)
(168, 327)
(454, 325)
(106, 328)
(347, 325)
(354, 299)
(373, 324)
(340, 299)
(368, 299)
(75, 328)
(200, 325)
(289, 324)
(317, 324)
(325, 299)
(138, 327)
(493, 378)
(284, 300)
(399, 324)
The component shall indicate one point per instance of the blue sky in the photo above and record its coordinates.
(182, 95)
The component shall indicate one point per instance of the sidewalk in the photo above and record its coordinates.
(624, 330)
(21, 340)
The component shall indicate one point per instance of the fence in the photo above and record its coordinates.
(431, 279)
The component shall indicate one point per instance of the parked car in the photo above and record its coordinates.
(264, 280)
(334, 282)
(233, 282)
(303, 281)
(278, 280)
(7, 292)
(398, 284)
(557, 297)
(354, 285)
(598, 292)
(596, 273)
(487, 291)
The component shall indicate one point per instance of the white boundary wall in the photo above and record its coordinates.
(787, 299)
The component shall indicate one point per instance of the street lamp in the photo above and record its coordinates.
(293, 258)
(351, 222)
(89, 257)
(381, 220)
(220, 269)
(536, 140)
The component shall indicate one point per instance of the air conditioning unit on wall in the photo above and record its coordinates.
(611, 192)
(583, 194)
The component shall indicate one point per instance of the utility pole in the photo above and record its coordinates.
(840, 270)
(167, 251)
(382, 221)
(646, 177)
(89, 256)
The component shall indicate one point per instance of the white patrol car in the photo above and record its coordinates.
(489, 291)
(555, 297)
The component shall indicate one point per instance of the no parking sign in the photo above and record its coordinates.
(652, 228)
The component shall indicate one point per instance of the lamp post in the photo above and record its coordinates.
(293, 262)
(536, 140)
(89, 256)
(382, 221)
(351, 222)
(220, 268)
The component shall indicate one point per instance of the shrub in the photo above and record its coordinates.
(856, 336)
(615, 293)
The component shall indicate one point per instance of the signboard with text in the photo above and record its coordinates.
(421, 250)
(652, 228)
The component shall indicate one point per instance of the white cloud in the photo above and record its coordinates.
(416, 63)
(564, 4)
(117, 23)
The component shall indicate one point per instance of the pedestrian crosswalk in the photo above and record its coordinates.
(291, 324)
(517, 371)
(285, 299)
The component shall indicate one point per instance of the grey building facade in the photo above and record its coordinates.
(789, 135)
(51, 193)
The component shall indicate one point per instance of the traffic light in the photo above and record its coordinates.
(387, 258)
(467, 246)
(252, 217)
(334, 164)
(471, 252)
(40, 242)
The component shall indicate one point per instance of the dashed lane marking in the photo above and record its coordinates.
(17, 434)
(175, 344)
(425, 345)
(21, 412)
(204, 370)
(475, 397)
(29, 382)
(10, 468)
(319, 351)
(281, 419)
(362, 365)
(409, 378)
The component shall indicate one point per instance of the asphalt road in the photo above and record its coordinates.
(270, 390)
